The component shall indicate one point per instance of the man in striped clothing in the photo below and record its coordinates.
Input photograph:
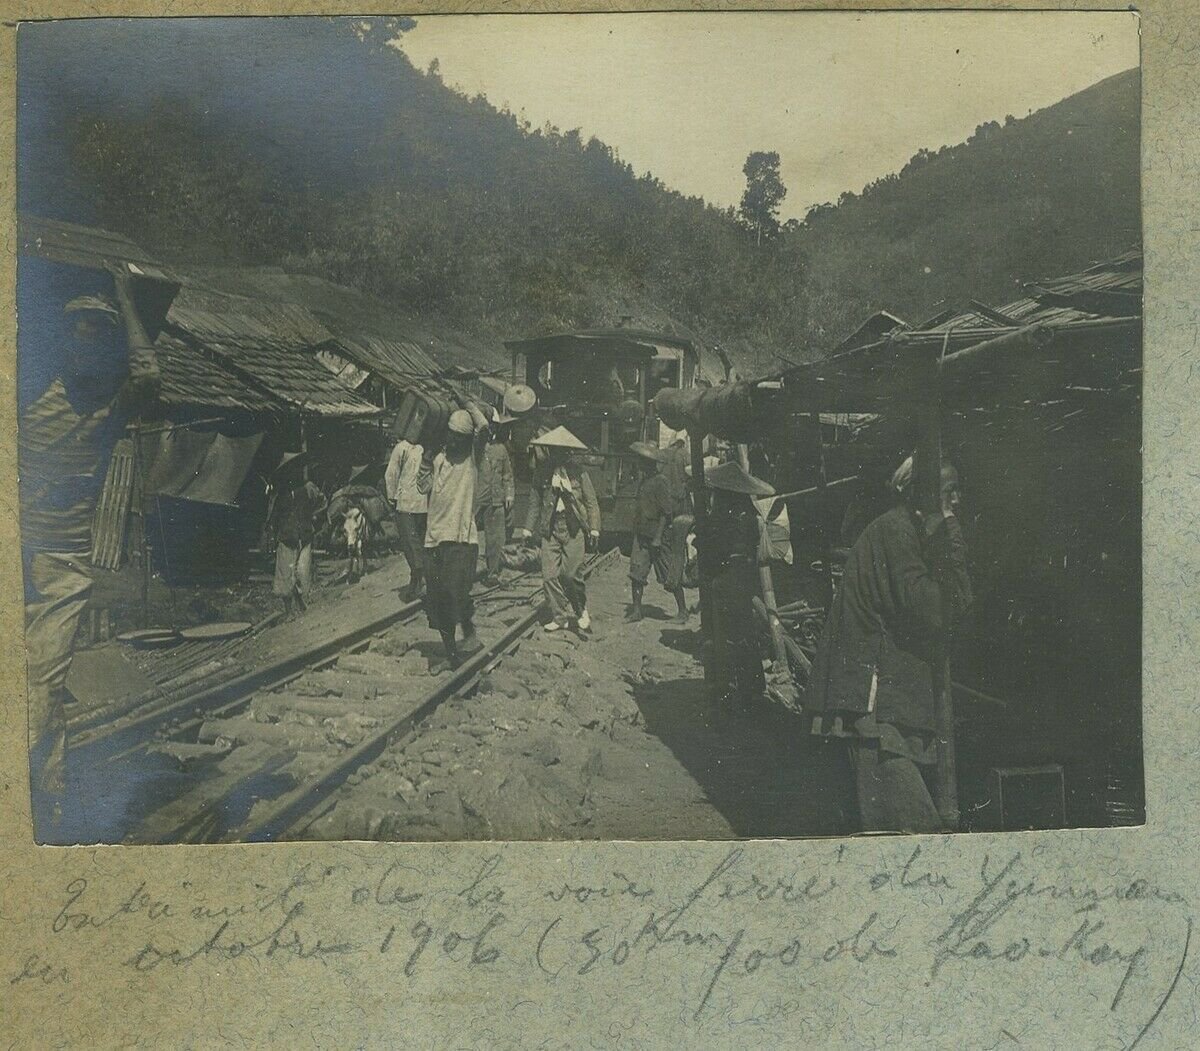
(65, 438)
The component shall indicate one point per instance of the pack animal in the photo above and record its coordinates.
(357, 531)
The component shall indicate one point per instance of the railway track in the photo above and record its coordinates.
(268, 748)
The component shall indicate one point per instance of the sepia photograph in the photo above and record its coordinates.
(691, 426)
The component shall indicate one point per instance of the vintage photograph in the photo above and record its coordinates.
(690, 426)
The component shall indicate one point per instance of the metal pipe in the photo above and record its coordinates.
(766, 583)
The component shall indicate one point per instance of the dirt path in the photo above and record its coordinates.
(616, 736)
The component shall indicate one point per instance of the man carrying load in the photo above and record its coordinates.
(569, 517)
(654, 512)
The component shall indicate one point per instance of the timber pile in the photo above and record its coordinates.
(112, 509)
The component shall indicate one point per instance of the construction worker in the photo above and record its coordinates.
(407, 468)
(451, 534)
(295, 504)
(729, 559)
(495, 495)
(654, 512)
(65, 438)
(569, 517)
(674, 467)
(539, 478)
(876, 669)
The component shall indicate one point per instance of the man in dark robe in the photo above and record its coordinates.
(880, 663)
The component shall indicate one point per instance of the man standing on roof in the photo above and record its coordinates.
(64, 440)
(570, 524)
(495, 495)
(878, 666)
(654, 511)
(407, 469)
(451, 535)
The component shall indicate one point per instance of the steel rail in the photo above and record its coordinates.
(294, 805)
(291, 807)
(226, 692)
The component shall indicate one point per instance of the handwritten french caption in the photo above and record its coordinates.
(733, 925)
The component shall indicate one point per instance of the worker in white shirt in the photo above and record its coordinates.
(406, 469)
(451, 533)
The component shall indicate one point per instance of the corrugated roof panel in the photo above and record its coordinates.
(292, 376)
(190, 380)
(79, 245)
(268, 345)
(402, 364)
(235, 319)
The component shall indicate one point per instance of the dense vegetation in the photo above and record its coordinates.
(311, 144)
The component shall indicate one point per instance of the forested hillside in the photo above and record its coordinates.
(313, 145)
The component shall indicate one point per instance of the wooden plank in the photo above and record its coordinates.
(112, 509)
(244, 730)
(349, 685)
(927, 488)
(125, 495)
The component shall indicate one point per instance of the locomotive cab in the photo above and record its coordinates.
(601, 384)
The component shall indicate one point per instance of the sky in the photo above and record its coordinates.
(843, 98)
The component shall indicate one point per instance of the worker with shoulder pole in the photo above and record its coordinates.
(654, 512)
(877, 670)
(109, 376)
(570, 525)
(451, 533)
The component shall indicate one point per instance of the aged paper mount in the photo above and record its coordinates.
(1046, 940)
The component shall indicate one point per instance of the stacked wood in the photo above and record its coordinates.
(112, 509)
(797, 658)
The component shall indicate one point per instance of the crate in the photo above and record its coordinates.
(421, 417)
(1026, 797)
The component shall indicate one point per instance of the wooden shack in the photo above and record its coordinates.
(1038, 403)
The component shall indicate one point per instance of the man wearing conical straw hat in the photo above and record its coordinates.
(570, 523)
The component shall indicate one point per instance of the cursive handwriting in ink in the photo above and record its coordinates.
(283, 939)
(482, 889)
(70, 918)
(912, 876)
(389, 889)
(36, 970)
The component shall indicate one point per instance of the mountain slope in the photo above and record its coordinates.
(1034, 198)
(311, 145)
